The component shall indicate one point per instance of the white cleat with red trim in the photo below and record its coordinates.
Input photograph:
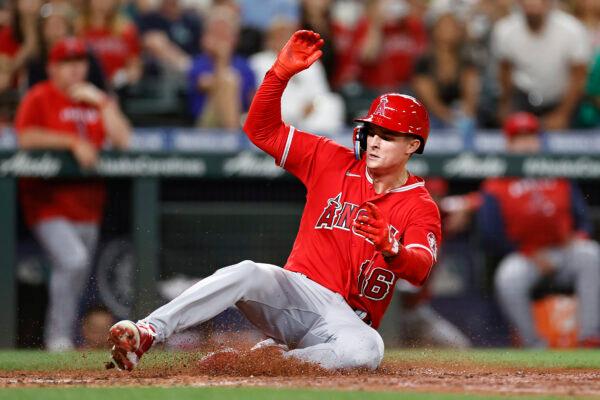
(130, 341)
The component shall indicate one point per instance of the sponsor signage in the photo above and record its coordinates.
(252, 164)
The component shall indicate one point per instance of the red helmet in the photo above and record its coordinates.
(400, 113)
(521, 123)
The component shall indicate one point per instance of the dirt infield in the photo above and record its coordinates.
(268, 368)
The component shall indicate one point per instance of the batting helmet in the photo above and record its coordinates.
(521, 123)
(397, 112)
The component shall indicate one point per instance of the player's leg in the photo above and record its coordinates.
(582, 266)
(199, 303)
(70, 260)
(515, 277)
(246, 280)
(316, 323)
(349, 343)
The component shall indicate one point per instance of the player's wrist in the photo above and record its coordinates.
(391, 250)
(281, 71)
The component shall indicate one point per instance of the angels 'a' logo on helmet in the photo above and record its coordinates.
(431, 240)
(380, 110)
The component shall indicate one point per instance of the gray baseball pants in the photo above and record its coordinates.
(314, 322)
(577, 263)
(70, 247)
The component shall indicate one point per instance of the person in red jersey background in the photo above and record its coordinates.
(113, 39)
(67, 113)
(367, 223)
(541, 227)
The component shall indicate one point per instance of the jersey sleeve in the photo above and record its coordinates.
(303, 154)
(29, 114)
(420, 242)
(306, 155)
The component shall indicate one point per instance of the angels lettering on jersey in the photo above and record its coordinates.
(338, 215)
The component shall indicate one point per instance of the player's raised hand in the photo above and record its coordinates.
(299, 53)
(374, 226)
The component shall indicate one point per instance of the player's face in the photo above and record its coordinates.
(68, 73)
(387, 151)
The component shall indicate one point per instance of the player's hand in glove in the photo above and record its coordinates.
(375, 227)
(299, 53)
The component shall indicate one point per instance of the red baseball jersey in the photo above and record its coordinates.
(403, 43)
(47, 108)
(536, 212)
(327, 250)
(113, 50)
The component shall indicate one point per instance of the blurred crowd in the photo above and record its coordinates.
(198, 62)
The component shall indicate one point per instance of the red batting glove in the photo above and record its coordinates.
(375, 227)
(299, 53)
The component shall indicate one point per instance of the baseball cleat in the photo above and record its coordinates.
(130, 341)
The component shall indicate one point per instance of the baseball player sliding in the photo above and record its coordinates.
(367, 223)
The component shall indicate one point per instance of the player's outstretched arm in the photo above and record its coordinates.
(264, 125)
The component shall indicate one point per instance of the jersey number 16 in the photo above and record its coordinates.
(375, 282)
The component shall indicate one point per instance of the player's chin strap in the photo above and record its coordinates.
(359, 139)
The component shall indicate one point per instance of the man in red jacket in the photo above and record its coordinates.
(67, 113)
(367, 223)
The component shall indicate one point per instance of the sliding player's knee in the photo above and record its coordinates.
(364, 351)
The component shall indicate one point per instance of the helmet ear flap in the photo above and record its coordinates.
(359, 138)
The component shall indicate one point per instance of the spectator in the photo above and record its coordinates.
(480, 19)
(17, 40)
(221, 83)
(389, 42)
(55, 25)
(378, 54)
(17, 45)
(308, 103)
(67, 113)
(541, 227)
(171, 35)
(446, 80)
(114, 39)
(345, 15)
(316, 16)
(588, 116)
(589, 111)
(543, 54)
